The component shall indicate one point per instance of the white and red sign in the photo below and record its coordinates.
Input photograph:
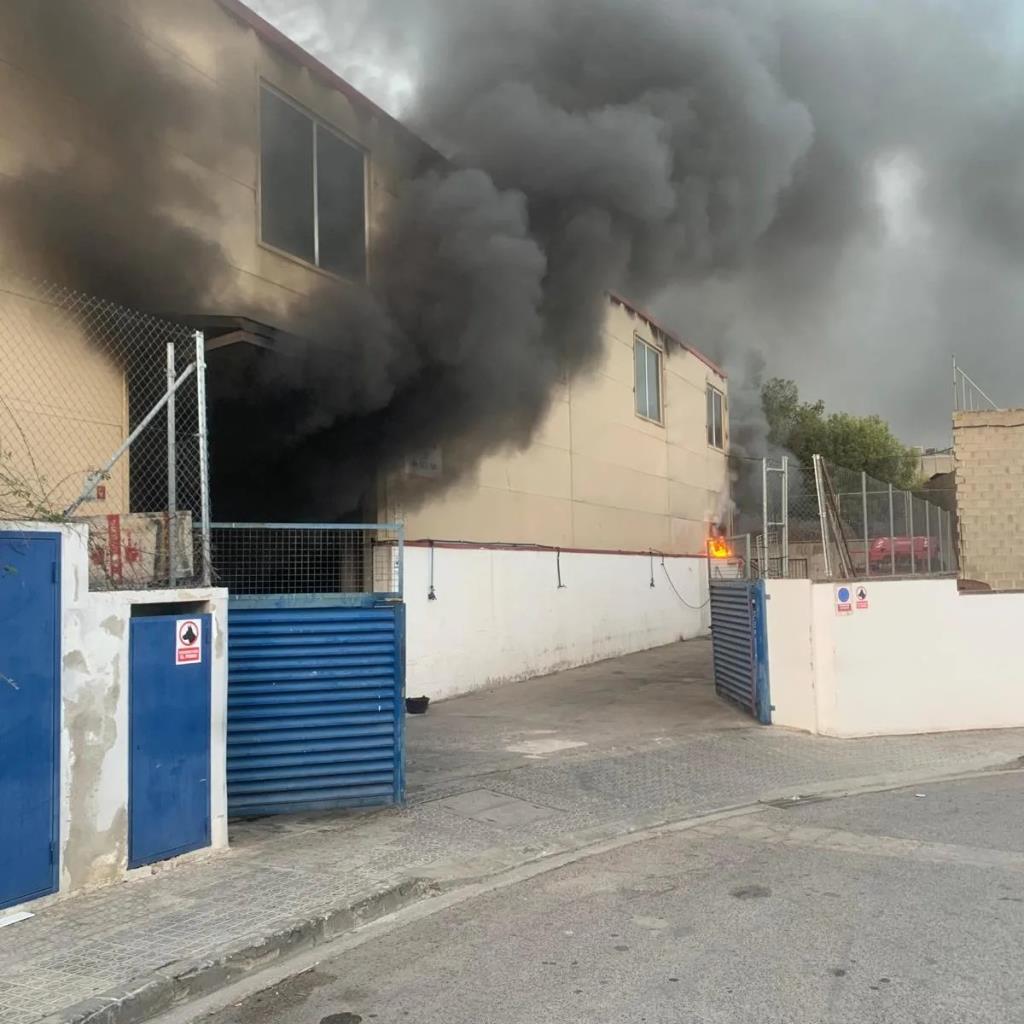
(188, 642)
(863, 604)
(844, 601)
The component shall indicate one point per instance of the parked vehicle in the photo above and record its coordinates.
(909, 552)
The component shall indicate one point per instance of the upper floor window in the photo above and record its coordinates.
(312, 189)
(647, 380)
(716, 418)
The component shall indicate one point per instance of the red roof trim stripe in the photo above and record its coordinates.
(710, 363)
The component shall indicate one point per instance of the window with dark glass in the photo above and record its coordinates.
(647, 380)
(312, 189)
(716, 418)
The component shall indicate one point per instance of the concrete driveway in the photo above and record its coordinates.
(633, 703)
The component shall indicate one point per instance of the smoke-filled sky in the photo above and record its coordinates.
(837, 185)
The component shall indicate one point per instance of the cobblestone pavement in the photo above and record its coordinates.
(516, 769)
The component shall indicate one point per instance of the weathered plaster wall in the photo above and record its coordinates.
(94, 747)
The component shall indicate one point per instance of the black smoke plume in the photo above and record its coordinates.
(777, 132)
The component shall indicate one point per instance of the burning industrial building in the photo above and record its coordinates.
(499, 321)
(447, 326)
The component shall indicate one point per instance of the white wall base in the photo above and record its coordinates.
(922, 658)
(500, 615)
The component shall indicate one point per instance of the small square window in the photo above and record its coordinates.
(647, 380)
(716, 418)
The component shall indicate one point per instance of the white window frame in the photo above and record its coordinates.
(715, 404)
(640, 344)
(314, 123)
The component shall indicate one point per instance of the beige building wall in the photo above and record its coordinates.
(63, 411)
(934, 464)
(222, 59)
(597, 475)
(222, 54)
(989, 449)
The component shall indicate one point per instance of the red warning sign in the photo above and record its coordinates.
(188, 648)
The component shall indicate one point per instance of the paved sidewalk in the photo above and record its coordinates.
(496, 779)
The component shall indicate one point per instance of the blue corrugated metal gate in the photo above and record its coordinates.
(316, 704)
(740, 645)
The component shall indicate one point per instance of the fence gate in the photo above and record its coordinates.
(316, 666)
(739, 643)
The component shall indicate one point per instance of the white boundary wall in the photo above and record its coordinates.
(94, 693)
(499, 615)
(922, 658)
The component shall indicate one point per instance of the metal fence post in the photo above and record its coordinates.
(928, 532)
(172, 470)
(204, 459)
(785, 517)
(819, 484)
(867, 533)
(750, 564)
(400, 530)
(910, 529)
(892, 533)
(764, 515)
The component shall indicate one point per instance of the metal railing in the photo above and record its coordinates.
(967, 395)
(103, 422)
(277, 560)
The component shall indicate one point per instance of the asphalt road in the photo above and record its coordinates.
(904, 906)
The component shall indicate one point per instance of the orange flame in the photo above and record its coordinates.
(718, 547)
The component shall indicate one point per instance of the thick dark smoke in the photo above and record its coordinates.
(720, 157)
(829, 183)
(100, 212)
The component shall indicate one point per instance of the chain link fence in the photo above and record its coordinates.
(874, 529)
(103, 422)
(260, 560)
(833, 523)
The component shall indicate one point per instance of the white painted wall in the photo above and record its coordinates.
(923, 658)
(499, 615)
(95, 629)
(790, 658)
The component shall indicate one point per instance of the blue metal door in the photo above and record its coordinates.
(29, 714)
(169, 794)
(316, 705)
(739, 644)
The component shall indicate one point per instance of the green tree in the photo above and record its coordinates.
(860, 443)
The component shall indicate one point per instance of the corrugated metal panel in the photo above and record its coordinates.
(740, 645)
(315, 707)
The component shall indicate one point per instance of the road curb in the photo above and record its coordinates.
(183, 981)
